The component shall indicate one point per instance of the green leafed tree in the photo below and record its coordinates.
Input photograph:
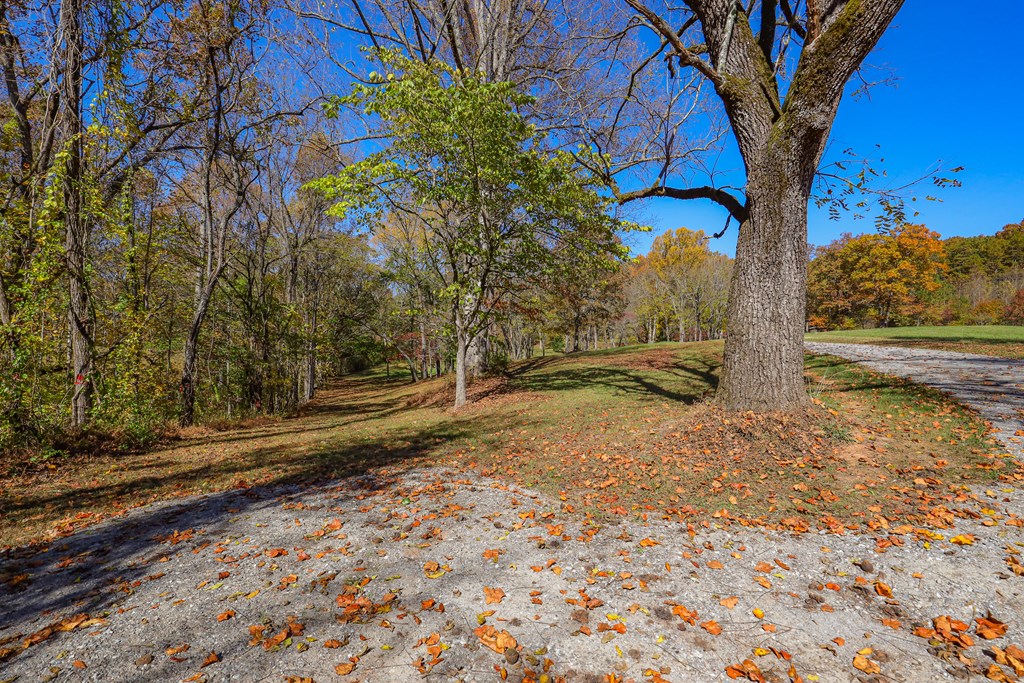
(467, 173)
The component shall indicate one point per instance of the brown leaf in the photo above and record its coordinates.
(211, 658)
(730, 602)
(227, 614)
(493, 595)
(345, 669)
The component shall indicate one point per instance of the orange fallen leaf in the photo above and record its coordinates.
(712, 627)
(989, 627)
(225, 615)
(747, 669)
(345, 668)
(499, 641)
(211, 658)
(864, 664)
(493, 595)
(730, 602)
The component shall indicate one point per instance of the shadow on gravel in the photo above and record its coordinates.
(90, 570)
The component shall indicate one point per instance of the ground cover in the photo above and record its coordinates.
(621, 433)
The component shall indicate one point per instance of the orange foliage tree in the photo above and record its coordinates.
(877, 279)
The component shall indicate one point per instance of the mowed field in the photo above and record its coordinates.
(618, 433)
(1006, 341)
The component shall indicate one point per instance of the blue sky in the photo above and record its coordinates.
(958, 100)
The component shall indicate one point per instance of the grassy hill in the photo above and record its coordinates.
(610, 433)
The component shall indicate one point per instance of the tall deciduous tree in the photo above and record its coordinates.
(779, 73)
(463, 166)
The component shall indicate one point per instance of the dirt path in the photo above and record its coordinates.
(992, 386)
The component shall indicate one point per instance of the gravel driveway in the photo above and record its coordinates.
(992, 386)
(431, 575)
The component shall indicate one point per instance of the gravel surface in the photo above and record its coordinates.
(387, 578)
(992, 386)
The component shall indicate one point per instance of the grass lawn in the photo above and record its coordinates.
(611, 433)
(1006, 341)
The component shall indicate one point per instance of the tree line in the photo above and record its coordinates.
(909, 275)
(209, 206)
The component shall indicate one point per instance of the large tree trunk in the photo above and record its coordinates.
(781, 140)
(764, 346)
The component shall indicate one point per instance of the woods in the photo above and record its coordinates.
(211, 208)
(909, 275)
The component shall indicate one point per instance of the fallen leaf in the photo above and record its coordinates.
(864, 664)
(989, 627)
(493, 595)
(711, 627)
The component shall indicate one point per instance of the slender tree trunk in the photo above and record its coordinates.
(187, 403)
(461, 352)
(80, 321)
(309, 390)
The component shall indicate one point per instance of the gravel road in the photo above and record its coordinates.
(431, 575)
(992, 386)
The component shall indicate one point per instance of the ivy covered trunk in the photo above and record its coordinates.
(80, 325)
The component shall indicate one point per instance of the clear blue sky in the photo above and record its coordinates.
(959, 99)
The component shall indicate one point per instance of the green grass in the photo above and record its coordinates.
(610, 432)
(993, 340)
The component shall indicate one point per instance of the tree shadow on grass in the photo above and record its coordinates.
(686, 381)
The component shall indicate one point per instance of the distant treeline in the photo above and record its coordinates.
(911, 276)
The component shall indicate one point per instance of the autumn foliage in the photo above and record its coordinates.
(909, 275)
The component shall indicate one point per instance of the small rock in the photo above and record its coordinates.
(866, 566)
(511, 655)
(144, 660)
